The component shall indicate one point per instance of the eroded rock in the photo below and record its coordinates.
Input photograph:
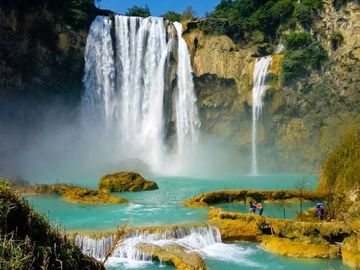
(125, 181)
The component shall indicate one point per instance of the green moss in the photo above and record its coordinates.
(125, 181)
(75, 194)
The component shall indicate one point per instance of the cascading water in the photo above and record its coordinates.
(204, 240)
(187, 119)
(258, 91)
(127, 92)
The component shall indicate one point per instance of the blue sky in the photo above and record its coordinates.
(159, 7)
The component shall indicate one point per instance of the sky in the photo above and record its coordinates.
(159, 7)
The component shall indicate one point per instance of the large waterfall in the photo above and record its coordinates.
(258, 91)
(129, 87)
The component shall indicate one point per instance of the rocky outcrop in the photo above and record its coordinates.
(351, 252)
(234, 196)
(74, 194)
(125, 181)
(174, 254)
(304, 248)
(284, 237)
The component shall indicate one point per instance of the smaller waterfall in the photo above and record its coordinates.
(195, 239)
(258, 91)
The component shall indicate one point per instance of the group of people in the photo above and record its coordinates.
(254, 207)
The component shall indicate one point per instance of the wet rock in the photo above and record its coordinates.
(176, 255)
(125, 181)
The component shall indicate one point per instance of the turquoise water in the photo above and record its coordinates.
(163, 206)
(158, 207)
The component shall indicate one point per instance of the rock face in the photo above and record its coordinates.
(298, 118)
(75, 194)
(125, 181)
(176, 255)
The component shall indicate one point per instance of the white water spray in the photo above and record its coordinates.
(258, 91)
(127, 92)
(204, 240)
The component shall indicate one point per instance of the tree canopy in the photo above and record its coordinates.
(139, 11)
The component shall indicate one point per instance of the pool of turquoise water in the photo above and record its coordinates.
(158, 207)
(163, 206)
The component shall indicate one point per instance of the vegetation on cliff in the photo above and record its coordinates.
(303, 55)
(27, 241)
(340, 177)
(125, 181)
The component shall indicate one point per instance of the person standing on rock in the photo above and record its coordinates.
(252, 208)
(260, 207)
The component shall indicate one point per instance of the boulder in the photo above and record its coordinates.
(125, 181)
(174, 254)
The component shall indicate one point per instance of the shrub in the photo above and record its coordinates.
(303, 55)
(336, 39)
(139, 11)
(306, 11)
(296, 41)
(172, 16)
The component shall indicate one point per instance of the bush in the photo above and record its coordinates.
(28, 241)
(306, 11)
(336, 39)
(172, 16)
(303, 55)
(296, 41)
(139, 11)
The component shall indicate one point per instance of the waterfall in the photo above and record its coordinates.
(194, 239)
(187, 119)
(128, 93)
(258, 91)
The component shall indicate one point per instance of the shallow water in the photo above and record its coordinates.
(163, 206)
(158, 207)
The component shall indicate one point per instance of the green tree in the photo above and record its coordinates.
(172, 16)
(189, 13)
(139, 11)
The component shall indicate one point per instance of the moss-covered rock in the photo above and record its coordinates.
(229, 196)
(125, 181)
(176, 255)
(304, 248)
(351, 252)
(75, 194)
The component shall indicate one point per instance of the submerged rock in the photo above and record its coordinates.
(75, 194)
(176, 255)
(125, 181)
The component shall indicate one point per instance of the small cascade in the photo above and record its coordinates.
(96, 248)
(130, 94)
(195, 239)
(258, 91)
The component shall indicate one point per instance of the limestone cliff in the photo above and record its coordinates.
(301, 121)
